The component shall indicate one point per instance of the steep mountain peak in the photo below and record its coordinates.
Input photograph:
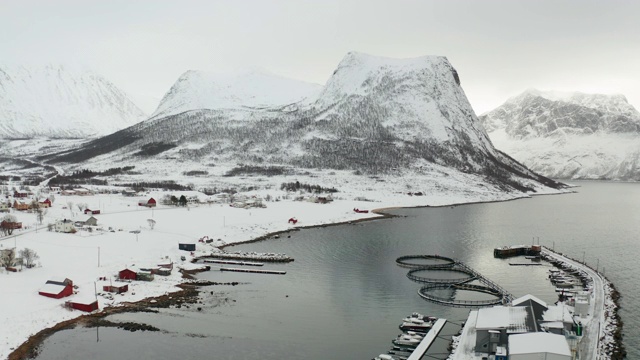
(58, 101)
(252, 88)
(536, 113)
(358, 71)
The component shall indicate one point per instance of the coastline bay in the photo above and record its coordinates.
(344, 279)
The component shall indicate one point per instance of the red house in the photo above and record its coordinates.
(93, 212)
(46, 203)
(118, 289)
(20, 194)
(148, 203)
(10, 225)
(88, 304)
(57, 288)
(127, 274)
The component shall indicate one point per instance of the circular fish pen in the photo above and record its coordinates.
(451, 286)
(484, 295)
(425, 261)
(445, 275)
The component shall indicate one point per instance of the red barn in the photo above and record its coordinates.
(88, 304)
(118, 289)
(151, 202)
(127, 274)
(57, 288)
(46, 203)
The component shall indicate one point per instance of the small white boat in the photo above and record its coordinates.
(407, 340)
(385, 357)
(415, 324)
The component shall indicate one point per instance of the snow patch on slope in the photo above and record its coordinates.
(196, 90)
(54, 101)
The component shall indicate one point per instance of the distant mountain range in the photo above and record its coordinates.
(374, 115)
(569, 135)
(55, 102)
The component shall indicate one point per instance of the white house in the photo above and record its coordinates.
(65, 225)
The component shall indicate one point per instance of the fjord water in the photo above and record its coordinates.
(344, 296)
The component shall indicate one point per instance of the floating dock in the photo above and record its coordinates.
(525, 264)
(518, 250)
(242, 256)
(427, 340)
(233, 262)
(256, 271)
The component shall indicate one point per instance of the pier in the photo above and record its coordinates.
(255, 271)
(427, 340)
(250, 256)
(233, 262)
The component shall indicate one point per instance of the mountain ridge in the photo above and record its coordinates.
(572, 136)
(374, 115)
(53, 101)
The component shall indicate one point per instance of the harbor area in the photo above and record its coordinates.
(528, 328)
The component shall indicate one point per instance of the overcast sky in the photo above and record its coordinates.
(500, 48)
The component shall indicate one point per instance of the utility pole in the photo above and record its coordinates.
(98, 256)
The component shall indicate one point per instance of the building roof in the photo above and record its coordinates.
(527, 297)
(84, 299)
(59, 279)
(558, 312)
(52, 289)
(511, 318)
(538, 342)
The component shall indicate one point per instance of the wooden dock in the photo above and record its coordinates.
(427, 340)
(255, 271)
(525, 264)
(233, 262)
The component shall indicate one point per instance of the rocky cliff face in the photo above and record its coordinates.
(569, 135)
(375, 115)
(58, 103)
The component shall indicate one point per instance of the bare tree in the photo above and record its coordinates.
(34, 205)
(29, 257)
(81, 206)
(70, 206)
(40, 213)
(52, 198)
(7, 257)
(6, 225)
(152, 223)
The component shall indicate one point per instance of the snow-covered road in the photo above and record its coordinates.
(593, 329)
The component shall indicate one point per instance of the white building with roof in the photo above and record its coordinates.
(538, 346)
(495, 324)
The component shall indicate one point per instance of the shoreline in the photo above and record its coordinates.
(30, 347)
(188, 293)
(609, 344)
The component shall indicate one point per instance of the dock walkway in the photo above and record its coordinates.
(427, 340)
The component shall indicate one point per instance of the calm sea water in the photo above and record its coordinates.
(344, 296)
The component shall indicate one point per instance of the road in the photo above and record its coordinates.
(593, 325)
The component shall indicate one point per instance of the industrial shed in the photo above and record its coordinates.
(538, 346)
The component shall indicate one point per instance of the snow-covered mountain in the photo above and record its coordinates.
(198, 90)
(569, 135)
(53, 101)
(374, 115)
